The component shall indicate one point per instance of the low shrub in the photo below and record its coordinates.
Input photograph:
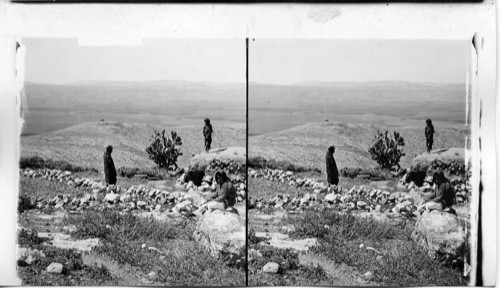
(260, 162)
(375, 174)
(129, 172)
(36, 162)
(387, 151)
(29, 238)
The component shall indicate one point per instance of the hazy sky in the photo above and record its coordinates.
(62, 61)
(292, 61)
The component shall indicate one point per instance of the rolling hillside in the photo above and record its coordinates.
(306, 145)
(84, 144)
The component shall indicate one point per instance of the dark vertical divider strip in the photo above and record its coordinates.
(246, 194)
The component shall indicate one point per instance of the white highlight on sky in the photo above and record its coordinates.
(63, 61)
(306, 60)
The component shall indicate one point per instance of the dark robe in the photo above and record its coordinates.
(331, 169)
(444, 194)
(207, 133)
(429, 136)
(109, 169)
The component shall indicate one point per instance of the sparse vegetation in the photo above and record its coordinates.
(164, 150)
(372, 174)
(387, 151)
(396, 260)
(290, 272)
(129, 172)
(75, 272)
(36, 162)
(260, 162)
(176, 258)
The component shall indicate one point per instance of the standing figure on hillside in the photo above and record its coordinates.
(109, 166)
(207, 133)
(443, 196)
(225, 196)
(429, 135)
(331, 167)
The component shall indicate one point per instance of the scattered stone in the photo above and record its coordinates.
(271, 267)
(56, 268)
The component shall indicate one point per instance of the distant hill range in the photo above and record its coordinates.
(84, 144)
(286, 106)
(53, 107)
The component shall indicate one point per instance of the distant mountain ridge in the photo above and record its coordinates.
(161, 82)
(359, 83)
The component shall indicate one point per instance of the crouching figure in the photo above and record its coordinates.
(443, 196)
(224, 197)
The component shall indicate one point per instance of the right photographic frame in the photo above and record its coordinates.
(361, 162)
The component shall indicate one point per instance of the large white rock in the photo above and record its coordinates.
(445, 156)
(202, 160)
(441, 233)
(223, 233)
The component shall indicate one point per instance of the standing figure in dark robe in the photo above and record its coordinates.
(331, 167)
(207, 133)
(429, 135)
(109, 166)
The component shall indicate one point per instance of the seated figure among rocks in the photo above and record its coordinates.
(225, 196)
(442, 197)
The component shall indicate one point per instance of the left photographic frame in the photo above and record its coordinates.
(134, 158)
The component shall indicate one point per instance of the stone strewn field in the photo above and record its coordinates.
(84, 144)
(306, 145)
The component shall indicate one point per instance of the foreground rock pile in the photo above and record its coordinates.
(142, 197)
(363, 198)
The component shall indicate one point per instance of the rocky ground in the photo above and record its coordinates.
(305, 217)
(75, 230)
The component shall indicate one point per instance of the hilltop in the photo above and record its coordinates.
(84, 144)
(306, 145)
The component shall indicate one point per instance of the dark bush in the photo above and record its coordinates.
(36, 162)
(372, 174)
(387, 151)
(260, 162)
(164, 150)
